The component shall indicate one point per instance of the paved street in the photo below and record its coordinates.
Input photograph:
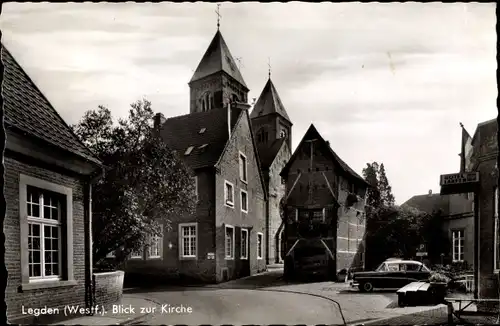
(228, 306)
(266, 299)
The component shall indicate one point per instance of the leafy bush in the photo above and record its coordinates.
(437, 277)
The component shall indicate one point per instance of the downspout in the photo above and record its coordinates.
(229, 119)
(88, 246)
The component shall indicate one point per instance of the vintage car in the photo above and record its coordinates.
(391, 274)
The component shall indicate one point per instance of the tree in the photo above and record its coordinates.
(386, 196)
(370, 173)
(144, 184)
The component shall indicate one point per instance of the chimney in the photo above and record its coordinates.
(159, 119)
(233, 112)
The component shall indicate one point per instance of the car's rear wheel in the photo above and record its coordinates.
(366, 287)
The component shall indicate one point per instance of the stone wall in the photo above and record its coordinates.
(108, 287)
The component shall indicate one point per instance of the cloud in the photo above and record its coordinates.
(382, 82)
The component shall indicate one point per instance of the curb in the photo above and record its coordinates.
(380, 321)
(140, 318)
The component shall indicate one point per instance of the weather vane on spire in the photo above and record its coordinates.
(269, 65)
(218, 16)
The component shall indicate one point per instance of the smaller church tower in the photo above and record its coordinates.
(217, 80)
(270, 120)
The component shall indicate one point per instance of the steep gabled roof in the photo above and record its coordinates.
(206, 132)
(218, 58)
(312, 133)
(200, 139)
(268, 154)
(27, 110)
(269, 102)
(429, 203)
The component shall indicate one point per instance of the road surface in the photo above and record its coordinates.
(240, 306)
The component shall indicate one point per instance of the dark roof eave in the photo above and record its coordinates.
(93, 160)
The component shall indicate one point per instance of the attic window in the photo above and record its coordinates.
(202, 130)
(203, 146)
(189, 150)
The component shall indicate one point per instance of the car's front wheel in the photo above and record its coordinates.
(366, 287)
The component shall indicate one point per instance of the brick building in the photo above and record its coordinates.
(483, 160)
(319, 182)
(48, 178)
(226, 237)
(273, 132)
(458, 223)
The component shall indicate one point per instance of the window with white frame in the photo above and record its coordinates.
(46, 220)
(244, 201)
(229, 240)
(244, 244)
(188, 235)
(155, 247)
(243, 167)
(228, 194)
(260, 238)
(458, 245)
(44, 215)
(496, 244)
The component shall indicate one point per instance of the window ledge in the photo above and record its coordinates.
(153, 258)
(244, 181)
(188, 258)
(46, 285)
(229, 258)
(244, 258)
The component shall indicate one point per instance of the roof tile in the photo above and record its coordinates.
(218, 58)
(182, 132)
(27, 109)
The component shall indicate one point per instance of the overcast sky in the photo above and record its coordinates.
(382, 82)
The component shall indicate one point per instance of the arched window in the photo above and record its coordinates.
(262, 136)
(206, 102)
(283, 133)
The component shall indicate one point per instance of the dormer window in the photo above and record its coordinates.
(189, 150)
(202, 130)
(283, 133)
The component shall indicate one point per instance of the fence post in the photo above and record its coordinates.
(450, 313)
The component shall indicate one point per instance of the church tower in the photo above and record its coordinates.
(217, 81)
(270, 120)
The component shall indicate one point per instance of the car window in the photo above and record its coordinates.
(382, 268)
(393, 267)
(412, 267)
(425, 268)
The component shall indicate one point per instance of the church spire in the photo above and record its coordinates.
(269, 65)
(218, 16)
(269, 102)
